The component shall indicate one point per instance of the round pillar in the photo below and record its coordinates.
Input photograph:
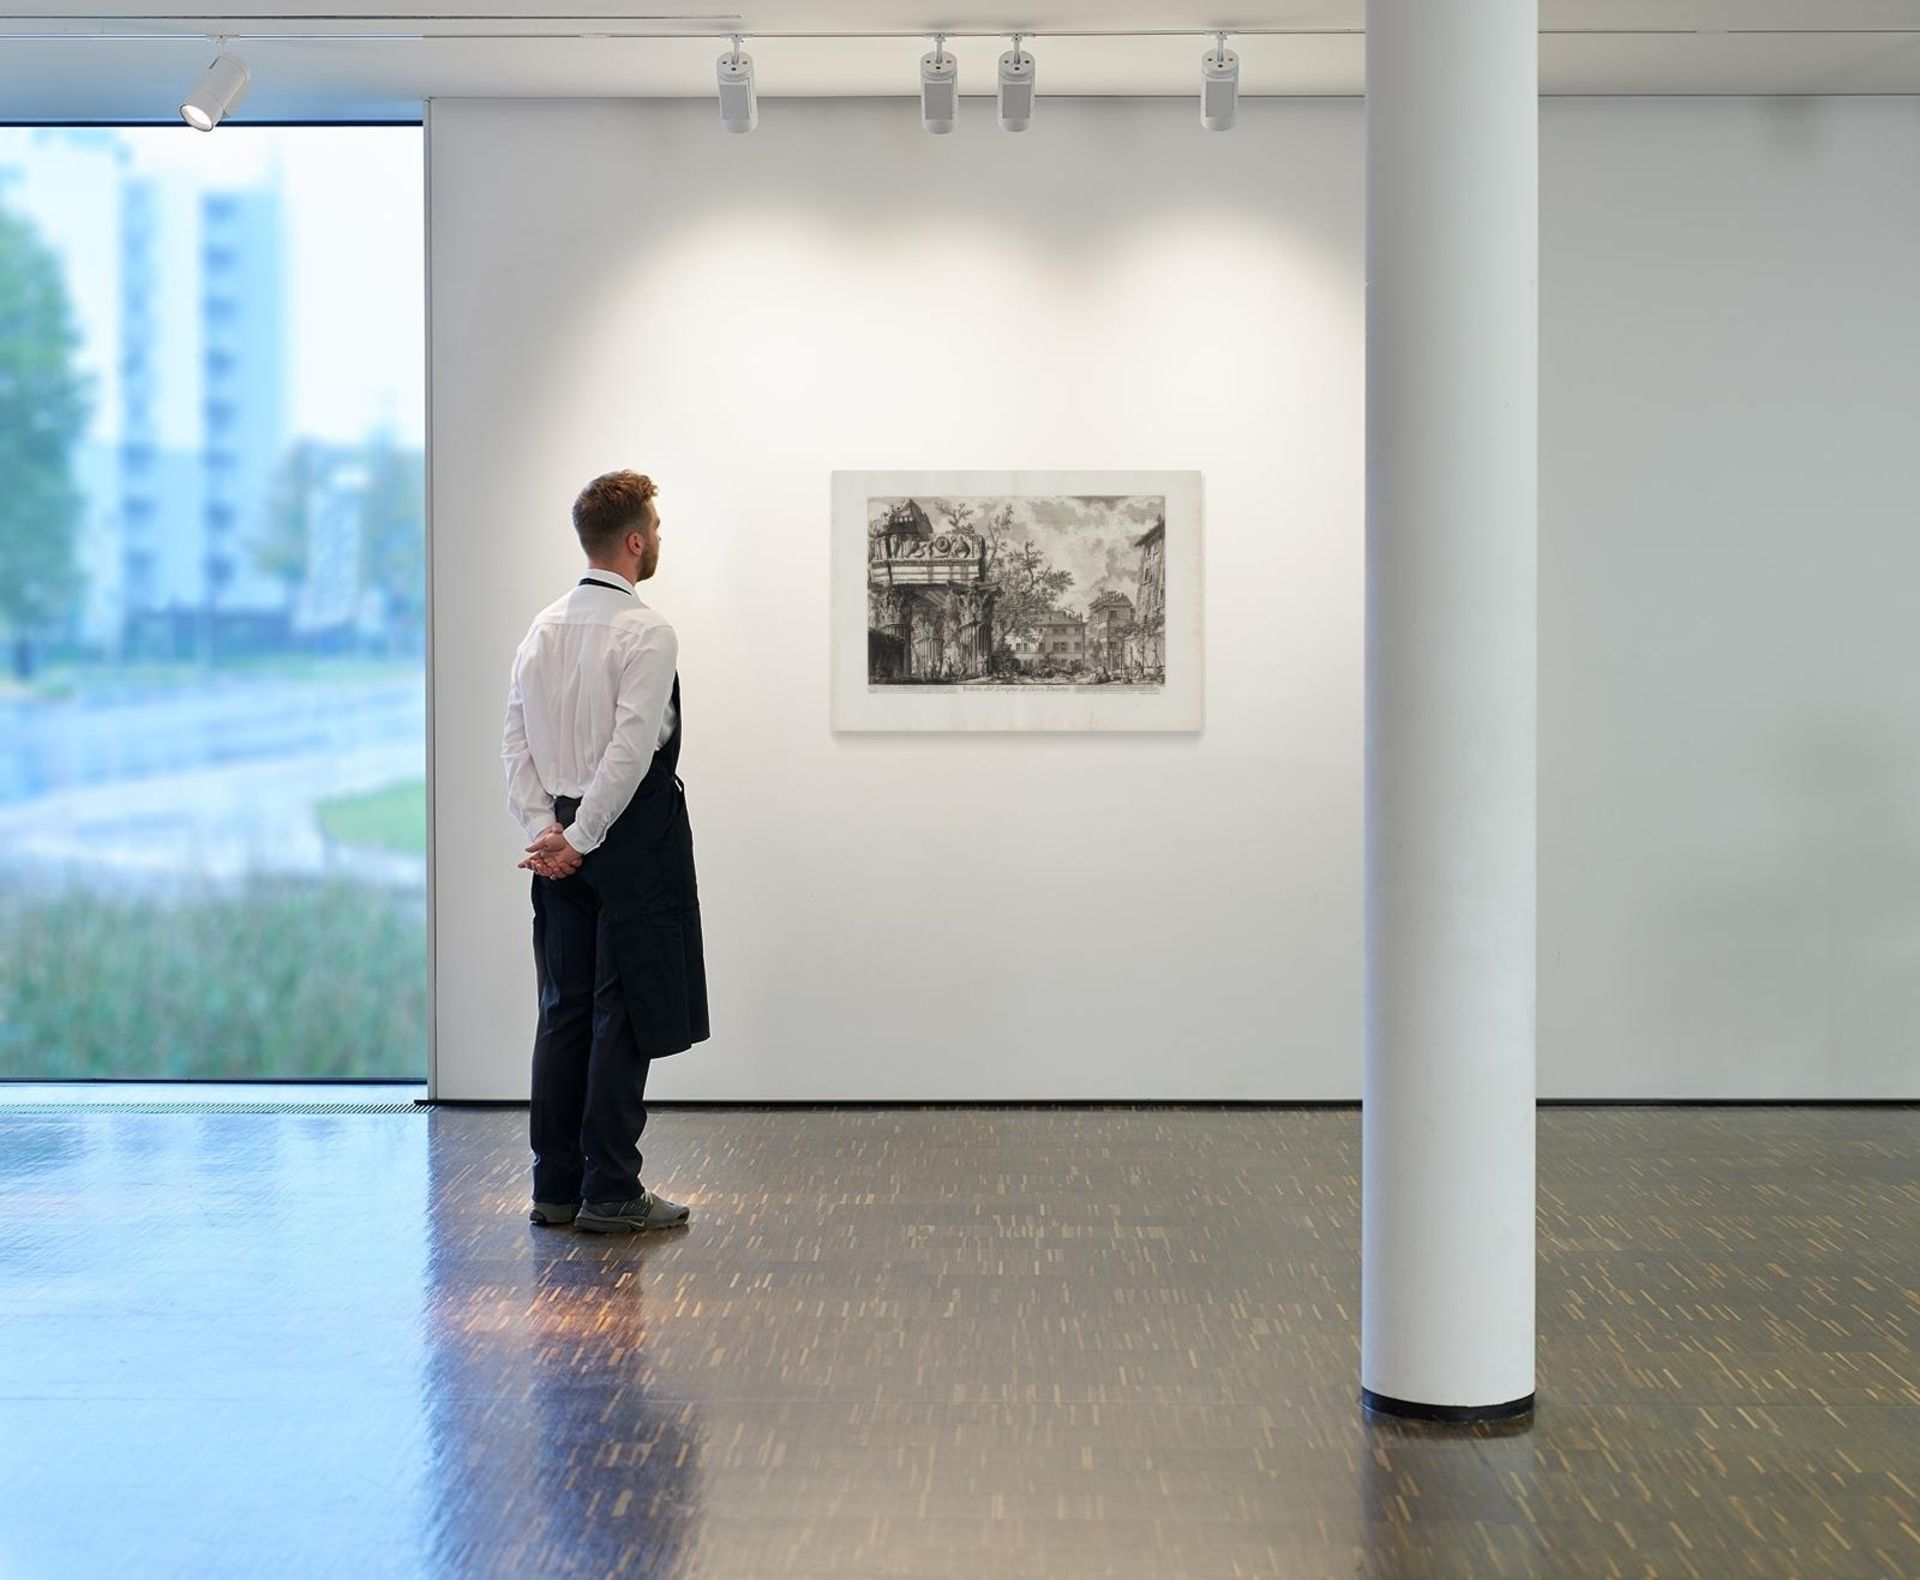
(1447, 1278)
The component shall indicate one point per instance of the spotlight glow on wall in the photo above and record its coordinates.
(220, 89)
(939, 88)
(1016, 88)
(739, 105)
(1219, 86)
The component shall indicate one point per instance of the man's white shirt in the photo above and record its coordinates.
(590, 702)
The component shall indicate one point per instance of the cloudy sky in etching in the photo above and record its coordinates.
(1091, 535)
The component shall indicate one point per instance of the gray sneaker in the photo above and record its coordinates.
(645, 1211)
(554, 1214)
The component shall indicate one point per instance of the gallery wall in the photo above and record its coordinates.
(1729, 627)
(936, 917)
(1728, 813)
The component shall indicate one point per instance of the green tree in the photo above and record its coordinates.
(282, 552)
(44, 403)
(390, 506)
(393, 532)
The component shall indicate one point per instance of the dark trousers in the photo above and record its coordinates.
(589, 1077)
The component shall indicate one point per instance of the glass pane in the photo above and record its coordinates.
(212, 603)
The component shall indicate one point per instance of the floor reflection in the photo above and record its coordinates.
(557, 1448)
(1430, 1492)
(210, 1344)
(1021, 1344)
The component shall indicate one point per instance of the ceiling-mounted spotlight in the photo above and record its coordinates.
(1016, 88)
(220, 89)
(739, 106)
(939, 87)
(1219, 86)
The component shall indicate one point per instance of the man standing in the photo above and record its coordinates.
(591, 744)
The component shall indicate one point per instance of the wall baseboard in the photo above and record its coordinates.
(762, 1105)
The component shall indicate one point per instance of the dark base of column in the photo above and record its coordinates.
(1381, 1404)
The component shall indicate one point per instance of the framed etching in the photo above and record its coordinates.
(1016, 601)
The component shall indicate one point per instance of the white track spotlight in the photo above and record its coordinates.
(1219, 86)
(221, 87)
(939, 87)
(1016, 88)
(739, 105)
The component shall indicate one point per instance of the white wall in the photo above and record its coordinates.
(1730, 773)
(1730, 599)
(622, 284)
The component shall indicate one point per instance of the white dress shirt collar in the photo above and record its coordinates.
(611, 579)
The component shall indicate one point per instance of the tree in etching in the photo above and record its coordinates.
(1025, 585)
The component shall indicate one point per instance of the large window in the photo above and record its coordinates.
(212, 603)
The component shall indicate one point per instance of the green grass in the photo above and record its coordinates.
(390, 819)
(282, 979)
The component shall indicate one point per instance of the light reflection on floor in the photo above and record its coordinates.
(924, 1342)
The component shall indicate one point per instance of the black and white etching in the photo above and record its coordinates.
(1026, 590)
(1018, 601)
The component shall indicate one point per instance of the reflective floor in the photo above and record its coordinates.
(933, 1343)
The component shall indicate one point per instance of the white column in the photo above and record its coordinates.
(1447, 1295)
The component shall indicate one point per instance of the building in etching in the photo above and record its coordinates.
(1061, 638)
(1109, 631)
(1149, 642)
(929, 608)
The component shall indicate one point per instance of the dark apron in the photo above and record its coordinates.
(650, 902)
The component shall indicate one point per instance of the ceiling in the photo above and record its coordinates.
(378, 59)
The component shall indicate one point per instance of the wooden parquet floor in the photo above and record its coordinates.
(935, 1343)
